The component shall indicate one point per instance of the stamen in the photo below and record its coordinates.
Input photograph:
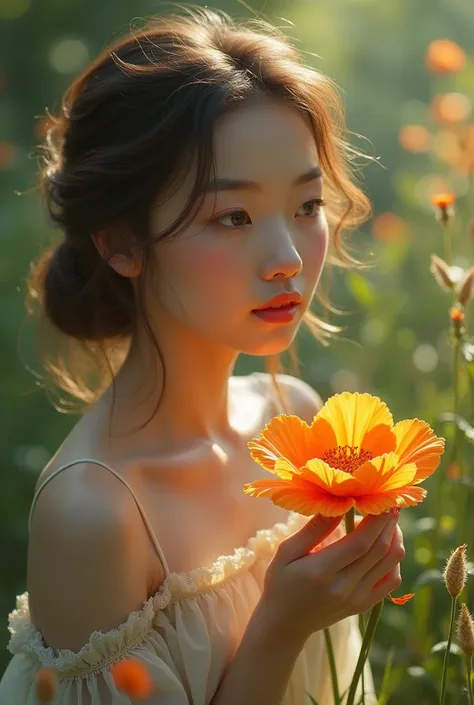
(346, 458)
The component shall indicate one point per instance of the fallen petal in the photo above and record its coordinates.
(401, 600)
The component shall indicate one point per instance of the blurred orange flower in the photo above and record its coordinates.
(443, 200)
(46, 685)
(8, 153)
(415, 138)
(456, 314)
(132, 678)
(444, 56)
(466, 163)
(451, 107)
(389, 226)
(352, 455)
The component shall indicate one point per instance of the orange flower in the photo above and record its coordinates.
(451, 107)
(456, 314)
(415, 138)
(352, 455)
(444, 56)
(132, 678)
(46, 685)
(443, 200)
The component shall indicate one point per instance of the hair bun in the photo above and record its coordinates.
(78, 297)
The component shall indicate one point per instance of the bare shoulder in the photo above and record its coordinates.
(300, 397)
(86, 570)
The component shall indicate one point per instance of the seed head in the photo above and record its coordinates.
(465, 291)
(466, 631)
(440, 270)
(455, 572)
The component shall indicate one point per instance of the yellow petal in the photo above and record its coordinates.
(417, 443)
(333, 480)
(284, 437)
(284, 469)
(360, 420)
(384, 473)
(299, 496)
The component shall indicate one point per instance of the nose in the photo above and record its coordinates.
(283, 260)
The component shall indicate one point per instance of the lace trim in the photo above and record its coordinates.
(26, 638)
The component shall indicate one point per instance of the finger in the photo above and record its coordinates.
(305, 539)
(384, 566)
(391, 581)
(339, 555)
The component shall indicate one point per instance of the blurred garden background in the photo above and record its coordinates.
(409, 104)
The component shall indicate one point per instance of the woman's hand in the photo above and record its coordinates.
(307, 590)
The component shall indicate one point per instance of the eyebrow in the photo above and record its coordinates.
(243, 185)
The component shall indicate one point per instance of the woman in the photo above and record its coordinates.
(186, 173)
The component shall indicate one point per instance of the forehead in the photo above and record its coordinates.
(264, 140)
(267, 142)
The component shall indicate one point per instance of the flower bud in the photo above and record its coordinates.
(440, 270)
(466, 631)
(465, 290)
(455, 572)
(444, 204)
(46, 685)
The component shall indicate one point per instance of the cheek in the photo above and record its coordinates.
(315, 253)
(205, 270)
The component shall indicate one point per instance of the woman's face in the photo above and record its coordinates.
(250, 241)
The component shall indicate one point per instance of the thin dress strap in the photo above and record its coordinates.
(114, 472)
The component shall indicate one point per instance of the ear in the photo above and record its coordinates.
(125, 265)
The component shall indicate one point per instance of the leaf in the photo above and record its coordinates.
(385, 690)
(361, 289)
(432, 576)
(467, 350)
(460, 422)
(311, 699)
(466, 481)
(441, 646)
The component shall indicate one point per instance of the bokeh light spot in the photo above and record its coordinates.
(68, 55)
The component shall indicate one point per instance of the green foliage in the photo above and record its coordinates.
(395, 342)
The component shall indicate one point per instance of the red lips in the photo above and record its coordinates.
(292, 298)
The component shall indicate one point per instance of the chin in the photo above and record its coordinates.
(271, 345)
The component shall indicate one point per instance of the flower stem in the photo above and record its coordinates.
(469, 679)
(364, 652)
(447, 652)
(349, 520)
(447, 243)
(332, 666)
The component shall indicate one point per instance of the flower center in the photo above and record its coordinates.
(346, 458)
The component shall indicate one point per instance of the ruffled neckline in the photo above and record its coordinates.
(25, 637)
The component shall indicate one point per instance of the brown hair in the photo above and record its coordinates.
(128, 128)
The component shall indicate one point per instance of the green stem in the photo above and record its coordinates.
(471, 386)
(447, 652)
(349, 520)
(447, 243)
(469, 679)
(332, 666)
(364, 652)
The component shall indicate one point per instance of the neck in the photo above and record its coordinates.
(193, 385)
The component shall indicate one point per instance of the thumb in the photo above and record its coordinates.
(305, 539)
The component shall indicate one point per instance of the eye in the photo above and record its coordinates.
(313, 206)
(236, 219)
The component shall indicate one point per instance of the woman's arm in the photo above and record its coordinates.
(261, 667)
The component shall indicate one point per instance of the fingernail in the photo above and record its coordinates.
(395, 511)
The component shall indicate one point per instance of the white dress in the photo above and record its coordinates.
(186, 634)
